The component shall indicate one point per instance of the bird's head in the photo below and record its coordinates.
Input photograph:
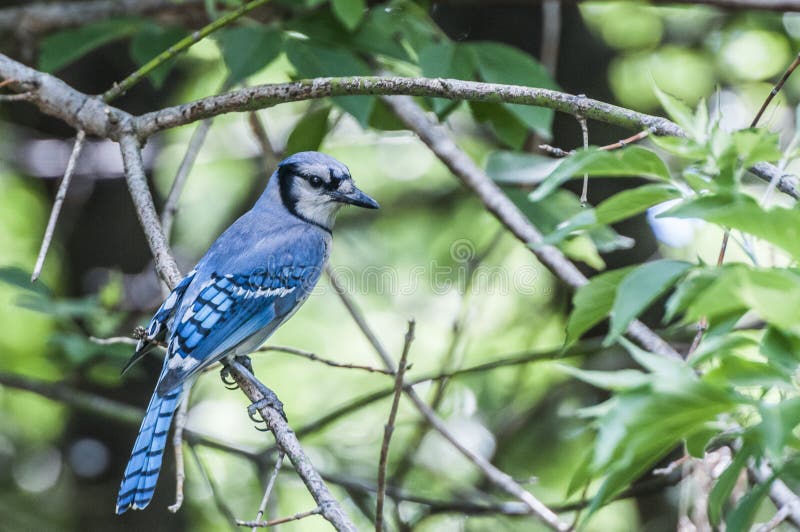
(314, 186)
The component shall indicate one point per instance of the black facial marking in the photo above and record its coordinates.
(287, 173)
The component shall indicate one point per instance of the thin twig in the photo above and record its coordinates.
(389, 427)
(585, 135)
(312, 356)
(177, 48)
(268, 491)
(497, 477)
(554, 151)
(192, 151)
(7, 82)
(177, 445)
(113, 340)
(273, 522)
(57, 203)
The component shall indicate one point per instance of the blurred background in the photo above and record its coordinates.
(431, 252)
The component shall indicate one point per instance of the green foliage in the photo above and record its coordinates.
(640, 288)
(633, 161)
(150, 41)
(247, 50)
(309, 131)
(60, 49)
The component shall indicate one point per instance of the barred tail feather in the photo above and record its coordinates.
(141, 474)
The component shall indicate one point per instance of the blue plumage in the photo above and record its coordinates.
(251, 280)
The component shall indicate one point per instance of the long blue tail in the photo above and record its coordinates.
(141, 474)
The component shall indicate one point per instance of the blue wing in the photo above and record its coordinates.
(233, 310)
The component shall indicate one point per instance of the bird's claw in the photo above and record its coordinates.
(227, 380)
(270, 400)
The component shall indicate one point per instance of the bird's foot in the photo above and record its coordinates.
(227, 380)
(225, 372)
(270, 400)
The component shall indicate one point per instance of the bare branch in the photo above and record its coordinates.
(81, 111)
(177, 445)
(389, 427)
(146, 211)
(440, 142)
(332, 363)
(175, 191)
(267, 524)
(57, 203)
(498, 478)
(779, 492)
(268, 491)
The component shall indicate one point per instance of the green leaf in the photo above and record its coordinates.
(682, 147)
(152, 40)
(773, 294)
(634, 201)
(686, 292)
(778, 225)
(60, 49)
(446, 59)
(629, 442)
(349, 12)
(778, 421)
(781, 348)
(509, 167)
(756, 145)
(396, 31)
(509, 130)
(19, 278)
(499, 63)
(633, 161)
(743, 515)
(624, 379)
(722, 489)
(313, 61)
(697, 443)
(309, 131)
(639, 289)
(592, 303)
(738, 371)
(247, 49)
(679, 112)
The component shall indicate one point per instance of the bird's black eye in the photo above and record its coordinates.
(315, 181)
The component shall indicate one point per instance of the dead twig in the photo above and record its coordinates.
(267, 524)
(59, 201)
(389, 427)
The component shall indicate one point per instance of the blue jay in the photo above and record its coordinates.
(251, 280)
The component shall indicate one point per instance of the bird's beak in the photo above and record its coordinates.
(355, 197)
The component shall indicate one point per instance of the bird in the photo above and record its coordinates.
(251, 280)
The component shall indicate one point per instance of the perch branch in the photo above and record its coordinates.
(54, 97)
